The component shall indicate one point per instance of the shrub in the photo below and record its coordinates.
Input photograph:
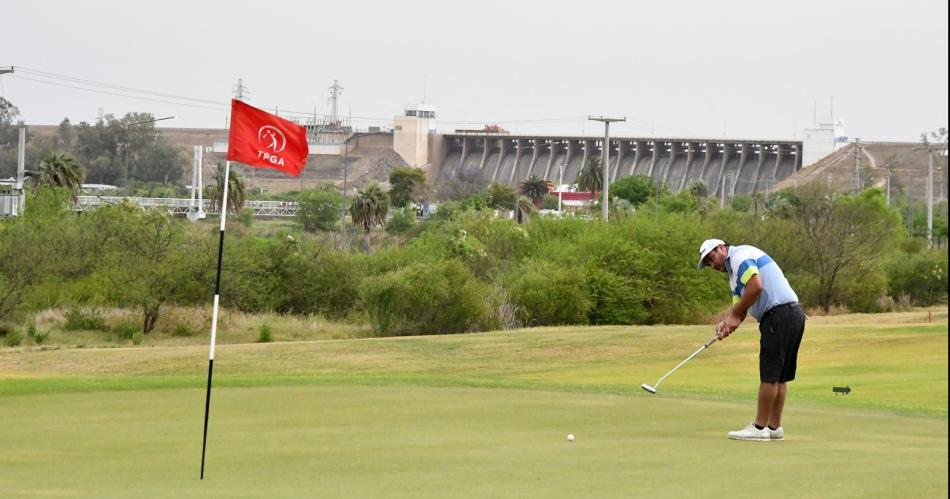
(921, 275)
(181, 330)
(402, 220)
(77, 320)
(427, 298)
(13, 338)
(265, 335)
(126, 330)
(548, 294)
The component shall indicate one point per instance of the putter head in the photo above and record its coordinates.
(648, 388)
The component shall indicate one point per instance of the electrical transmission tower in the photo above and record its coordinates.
(240, 91)
(335, 91)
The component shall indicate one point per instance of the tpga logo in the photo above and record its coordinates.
(273, 141)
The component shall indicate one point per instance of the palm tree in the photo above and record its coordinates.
(59, 169)
(523, 209)
(236, 194)
(591, 176)
(369, 210)
(535, 188)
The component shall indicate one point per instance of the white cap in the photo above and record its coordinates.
(705, 248)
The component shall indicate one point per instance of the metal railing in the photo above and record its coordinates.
(179, 206)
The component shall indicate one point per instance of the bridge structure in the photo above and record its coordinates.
(178, 206)
(735, 166)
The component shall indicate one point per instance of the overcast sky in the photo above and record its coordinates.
(739, 69)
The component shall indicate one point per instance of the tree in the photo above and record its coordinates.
(151, 257)
(9, 114)
(236, 192)
(31, 246)
(502, 196)
(406, 185)
(841, 235)
(368, 210)
(59, 169)
(638, 189)
(534, 188)
(320, 208)
(591, 176)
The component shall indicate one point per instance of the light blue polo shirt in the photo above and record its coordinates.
(742, 263)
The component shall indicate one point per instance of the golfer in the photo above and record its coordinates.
(759, 287)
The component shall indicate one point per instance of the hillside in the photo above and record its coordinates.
(907, 162)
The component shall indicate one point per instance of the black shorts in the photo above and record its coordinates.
(781, 330)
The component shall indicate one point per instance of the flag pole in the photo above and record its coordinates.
(214, 311)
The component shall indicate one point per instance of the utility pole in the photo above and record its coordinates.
(888, 167)
(560, 187)
(605, 156)
(930, 198)
(20, 169)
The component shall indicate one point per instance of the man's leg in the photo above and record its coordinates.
(768, 392)
(775, 415)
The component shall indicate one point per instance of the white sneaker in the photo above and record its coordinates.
(776, 434)
(751, 433)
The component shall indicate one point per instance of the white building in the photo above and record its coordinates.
(827, 137)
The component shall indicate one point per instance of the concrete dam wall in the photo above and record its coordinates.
(739, 166)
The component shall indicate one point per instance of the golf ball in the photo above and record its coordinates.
(570, 437)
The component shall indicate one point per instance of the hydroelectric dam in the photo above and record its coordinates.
(738, 166)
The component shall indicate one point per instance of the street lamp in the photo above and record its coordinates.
(125, 160)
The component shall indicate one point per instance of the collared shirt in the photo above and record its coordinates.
(742, 263)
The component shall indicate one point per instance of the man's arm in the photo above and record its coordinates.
(737, 314)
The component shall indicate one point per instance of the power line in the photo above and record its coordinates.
(223, 107)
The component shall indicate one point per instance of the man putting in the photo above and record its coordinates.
(759, 287)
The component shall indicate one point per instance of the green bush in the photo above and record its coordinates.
(314, 279)
(616, 299)
(547, 294)
(182, 330)
(78, 320)
(13, 338)
(922, 275)
(126, 330)
(265, 335)
(427, 298)
(402, 220)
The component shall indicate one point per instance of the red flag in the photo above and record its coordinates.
(260, 139)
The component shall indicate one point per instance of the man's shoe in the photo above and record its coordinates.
(751, 433)
(776, 434)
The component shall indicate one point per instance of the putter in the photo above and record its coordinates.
(652, 389)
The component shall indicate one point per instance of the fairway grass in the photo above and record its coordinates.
(482, 415)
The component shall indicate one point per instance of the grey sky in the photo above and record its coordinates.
(741, 68)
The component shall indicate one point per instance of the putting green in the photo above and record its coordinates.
(481, 415)
(406, 441)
